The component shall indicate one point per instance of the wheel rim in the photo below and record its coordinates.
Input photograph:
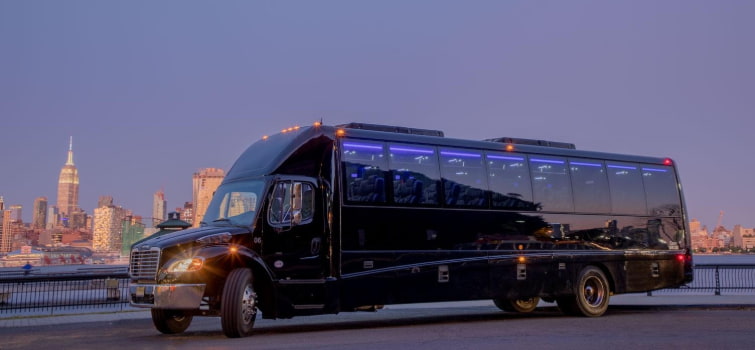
(248, 304)
(526, 303)
(594, 292)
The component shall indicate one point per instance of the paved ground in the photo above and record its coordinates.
(624, 301)
(465, 325)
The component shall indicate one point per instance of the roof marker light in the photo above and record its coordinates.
(668, 161)
(340, 132)
(509, 148)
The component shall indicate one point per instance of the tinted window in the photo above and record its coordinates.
(661, 191)
(365, 168)
(509, 179)
(464, 179)
(415, 174)
(589, 186)
(550, 183)
(627, 191)
(281, 211)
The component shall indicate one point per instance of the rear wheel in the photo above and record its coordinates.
(517, 305)
(171, 321)
(238, 306)
(591, 294)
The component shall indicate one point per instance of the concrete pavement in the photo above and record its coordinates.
(639, 300)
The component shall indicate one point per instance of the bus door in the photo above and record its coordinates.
(295, 240)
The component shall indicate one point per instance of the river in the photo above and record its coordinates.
(726, 259)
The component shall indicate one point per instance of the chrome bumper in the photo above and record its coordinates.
(166, 296)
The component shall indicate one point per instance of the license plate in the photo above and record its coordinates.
(139, 292)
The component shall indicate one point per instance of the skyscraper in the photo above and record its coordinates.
(6, 236)
(159, 209)
(39, 216)
(68, 186)
(206, 181)
(108, 228)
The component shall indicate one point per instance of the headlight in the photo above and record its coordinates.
(186, 265)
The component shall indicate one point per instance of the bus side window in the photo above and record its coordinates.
(281, 209)
(416, 174)
(661, 191)
(590, 186)
(364, 167)
(509, 179)
(627, 191)
(464, 181)
(550, 183)
(280, 203)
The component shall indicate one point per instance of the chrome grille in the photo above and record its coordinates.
(144, 264)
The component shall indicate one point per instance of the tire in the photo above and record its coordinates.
(238, 304)
(171, 321)
(517, 305)
(591, 294)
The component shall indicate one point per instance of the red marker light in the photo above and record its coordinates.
(668, 161)
(680, 257)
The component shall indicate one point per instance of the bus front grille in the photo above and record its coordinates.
(144, 264)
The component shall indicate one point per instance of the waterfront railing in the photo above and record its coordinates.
(105, 289)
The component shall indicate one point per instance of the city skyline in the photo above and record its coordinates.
(153, 92)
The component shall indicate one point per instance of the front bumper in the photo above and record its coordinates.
(166, 296)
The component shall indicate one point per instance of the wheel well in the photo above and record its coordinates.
(263, 285)
(609, 275)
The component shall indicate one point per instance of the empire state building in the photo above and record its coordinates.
(68, 186)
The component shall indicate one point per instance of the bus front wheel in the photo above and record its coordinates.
(238, 306)
(517, 305)
(171, 321)
(591, 294)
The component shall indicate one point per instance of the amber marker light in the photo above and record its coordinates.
(264, 137)
(340, 132)
(509, 148)
(521, 260)
(233, 249)
(317, 124)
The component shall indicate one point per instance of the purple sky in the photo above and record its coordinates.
(151, 91)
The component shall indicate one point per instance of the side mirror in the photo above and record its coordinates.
(296, 204)
(296, 194)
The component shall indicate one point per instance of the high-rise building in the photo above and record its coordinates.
(39, 216)
(133, 230)
(105, 201)
(206, 181)
(6, 234)
(15, 213)
(52, 217)
(68, 186)
(108, 228)
(159, 208)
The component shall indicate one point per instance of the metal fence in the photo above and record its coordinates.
(718, 280)
(93, 290)
(81, 290)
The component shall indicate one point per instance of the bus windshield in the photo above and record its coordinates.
(235, 204)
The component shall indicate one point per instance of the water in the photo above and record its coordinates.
(744, 259)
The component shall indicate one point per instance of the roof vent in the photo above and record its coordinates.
(391, 128)
(533, 142)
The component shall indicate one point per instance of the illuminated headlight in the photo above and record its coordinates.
(186, 265)
(217, 238)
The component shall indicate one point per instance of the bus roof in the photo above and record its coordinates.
(267, 155)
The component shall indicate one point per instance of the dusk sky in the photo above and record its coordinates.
(152, 91)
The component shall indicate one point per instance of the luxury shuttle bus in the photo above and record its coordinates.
(328, 219)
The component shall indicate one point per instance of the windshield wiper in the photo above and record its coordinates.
(221, 219)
